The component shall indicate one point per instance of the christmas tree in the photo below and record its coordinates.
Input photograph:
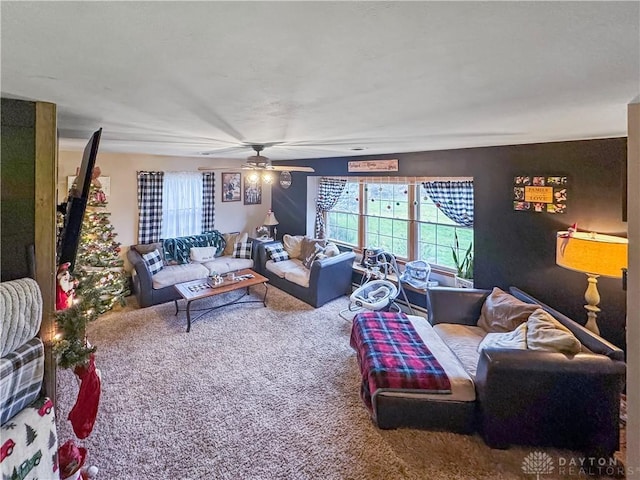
(98, 266)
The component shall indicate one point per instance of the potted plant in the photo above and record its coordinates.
(464, 265)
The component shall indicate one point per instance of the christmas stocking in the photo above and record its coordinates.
(84, 412)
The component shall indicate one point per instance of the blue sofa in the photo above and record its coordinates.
(327, 279)
(159, 288)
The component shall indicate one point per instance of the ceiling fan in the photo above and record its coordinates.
(260, 162)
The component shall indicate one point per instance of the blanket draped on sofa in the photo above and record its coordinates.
(392, 355)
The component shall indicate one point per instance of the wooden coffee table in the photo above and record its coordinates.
(199, 289)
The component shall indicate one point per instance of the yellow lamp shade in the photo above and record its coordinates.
(593, 253)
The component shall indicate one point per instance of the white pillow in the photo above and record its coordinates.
(331, 250)
(515, 339)
(293, 245)
(202, 254)
(546, 334)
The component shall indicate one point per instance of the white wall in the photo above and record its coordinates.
(123, 201)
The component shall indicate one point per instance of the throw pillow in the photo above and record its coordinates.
(231, 239)
(331, 250)
(547, 334)
(308, 247)
(502, 312)
(153, 261)
(514, 339)
(202, 254)
(242, 250)
(311, 256)
(293, 245)
(277, 252)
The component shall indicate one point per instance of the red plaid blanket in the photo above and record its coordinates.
(392, 355)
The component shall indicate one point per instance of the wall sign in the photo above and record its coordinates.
(538, 193)
(373, 166)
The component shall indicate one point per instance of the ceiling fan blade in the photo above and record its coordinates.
(292, 168)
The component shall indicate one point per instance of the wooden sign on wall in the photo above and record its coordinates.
(373, 166)
(539, 193)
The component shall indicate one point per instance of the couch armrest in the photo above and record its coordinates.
(142, 283)
(331, 275)
(455, 305)
(546, 398)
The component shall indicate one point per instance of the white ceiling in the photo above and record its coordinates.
(323, 78)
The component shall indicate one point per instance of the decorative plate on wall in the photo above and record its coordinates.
(285, 179)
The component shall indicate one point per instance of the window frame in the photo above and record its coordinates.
(413, 221)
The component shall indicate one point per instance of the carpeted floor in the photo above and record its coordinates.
(255, 393)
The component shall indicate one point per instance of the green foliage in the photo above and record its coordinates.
(71, 349)
(464, 263)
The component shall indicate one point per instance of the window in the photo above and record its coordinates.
(343, 218)
(181, 204)
(398, 215)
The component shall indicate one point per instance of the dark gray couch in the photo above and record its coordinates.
(329, 278)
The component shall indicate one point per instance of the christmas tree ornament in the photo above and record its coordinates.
(84, 412)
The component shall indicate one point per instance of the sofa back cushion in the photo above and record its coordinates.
(502, 312)
(143, 248)
(293, 245)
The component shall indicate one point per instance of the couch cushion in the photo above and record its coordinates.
(202, 254)
(502, 312)
(281, 268)
(515, 339)
(153, 261)
(147, 247)
(310, 255)
(293, 245)
(463, 340)
(299, 276)
(226, 264)
(547, 334)
(173, 274)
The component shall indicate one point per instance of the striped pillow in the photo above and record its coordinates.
(153, 261)
(277, 252)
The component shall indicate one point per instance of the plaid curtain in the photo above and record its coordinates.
(329, 192)
(454, 199)
(149, 206)
(208, 208)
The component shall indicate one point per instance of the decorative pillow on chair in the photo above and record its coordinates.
(153, 261)
(277, 252)
(331, 250)
(242, 250)
(202, 254)
(502, 312)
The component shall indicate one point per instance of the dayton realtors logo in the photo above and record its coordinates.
(540, 463)
(537, 463)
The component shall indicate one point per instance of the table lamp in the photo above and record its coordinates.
(271, 221)
(596, 255)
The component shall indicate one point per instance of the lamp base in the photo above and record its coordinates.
(592, 297)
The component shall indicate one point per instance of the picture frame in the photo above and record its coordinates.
(231, 187)
(252, 193)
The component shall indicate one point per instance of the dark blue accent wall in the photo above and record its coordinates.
(513, 248)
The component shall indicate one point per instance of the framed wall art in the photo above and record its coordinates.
(540, 193)
(252, 190)
(231, 187)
